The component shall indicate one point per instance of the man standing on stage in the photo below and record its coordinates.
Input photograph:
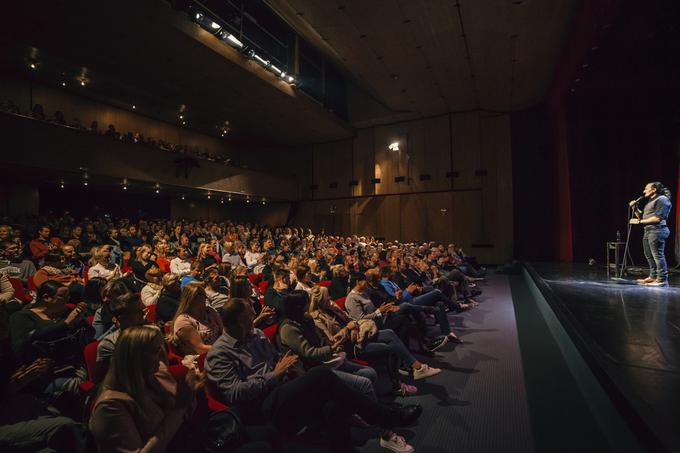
(653, 217)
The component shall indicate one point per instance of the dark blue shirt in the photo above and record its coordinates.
(658, 206)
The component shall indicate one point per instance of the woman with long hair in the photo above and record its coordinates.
(385, 347)
(168, 300)
(152, 290)
(140, 406)
(195, 326)
(143, 261)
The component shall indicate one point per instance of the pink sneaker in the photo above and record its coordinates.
(407, 390)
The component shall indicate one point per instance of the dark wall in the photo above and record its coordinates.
(532, 185)
(623, 120)
(615, 108)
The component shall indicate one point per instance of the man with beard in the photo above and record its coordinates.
(13, 264)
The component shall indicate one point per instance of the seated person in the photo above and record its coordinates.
(7, 299)
(339, 283)
(298, 333)
(162, 249)
(274, 294)
(13, 264)
(72, 260)
(412, 299)
(250, 375)
(140, 406)
(143, 262)
(126, 311)
(195, 272)
(152, 290)
(41, 244)
(49, 329)
(168, 300)
(385, 346)
(230, 256)
(195, 326)
(103, 320)
(102, 265)
(303, 273)
(359, 305)
(216, 290)
(181, 264)
(54, 270)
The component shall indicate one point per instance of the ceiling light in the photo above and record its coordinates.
(198, 16)
(283, 75)
(63, 84)
(208, 196)
(264, 201)
(275, 69)
(184, 123)
(181, 117)
(182, 196)
(393, 146)
(158, 191)
(291, 79)
(214, 25)
(124, 187)
(235, 41)
(222, 201)
(248, 200)
(260, 59)
(229, 199)
(32, 66)
(84, 183)
(134, 107)
(82, 83)
(61, 185)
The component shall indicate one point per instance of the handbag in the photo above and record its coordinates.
(223, 432)
(367, 330)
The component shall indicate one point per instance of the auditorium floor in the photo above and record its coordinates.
(478, 403)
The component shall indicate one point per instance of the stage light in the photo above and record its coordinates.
(229, 199)
(158, 191)
(222, 201)
(234, 40)
(61, 185)
(82, 83)
(182, 196)
(199, 16)
(275, 69)
(264, 202)
(208, 196)
(291, 79)
(134, 107)
(248, 200)
(214, 25)
(393, 146)
(264, 62)
(181, 117)
(32, 66)
(124, 187)
(63, 84)
(85, 183)
(184, 123)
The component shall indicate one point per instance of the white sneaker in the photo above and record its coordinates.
(425, 371)
(396, 443)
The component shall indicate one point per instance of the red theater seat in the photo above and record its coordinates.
(341, 302)
(19, 292)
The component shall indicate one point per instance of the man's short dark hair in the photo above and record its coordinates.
(385, 272)
(232, 310)
(120, 304)
(281, 273)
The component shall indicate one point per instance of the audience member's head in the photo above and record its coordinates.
(127, 311)
(295, 305)
(154, 275)
(237, 317)
(318, 299)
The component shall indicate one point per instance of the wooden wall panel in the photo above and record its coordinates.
(364, 163)
(437, 159)
(466, 159)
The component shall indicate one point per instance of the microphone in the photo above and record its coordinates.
(636, 201)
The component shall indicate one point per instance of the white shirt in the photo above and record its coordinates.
(302, 287)
(252, 258)
(150, 293)
(100, 271)
(180, 267)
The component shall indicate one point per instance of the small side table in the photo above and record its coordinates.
(618, 249)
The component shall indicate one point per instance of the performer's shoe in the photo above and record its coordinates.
(658, 283)
(644, 281)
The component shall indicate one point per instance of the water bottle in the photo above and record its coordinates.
(618, 236)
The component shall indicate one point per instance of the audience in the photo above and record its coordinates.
(213, 305)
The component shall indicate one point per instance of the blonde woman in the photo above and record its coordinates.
(101, 265)
(196, 326)
(204, 256)
(162, 249)
(385, 346)
(140, 407)
(152, 290)
(143, 261)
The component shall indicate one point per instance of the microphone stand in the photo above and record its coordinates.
(626, 251)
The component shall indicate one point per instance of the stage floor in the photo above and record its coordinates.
(629, 334)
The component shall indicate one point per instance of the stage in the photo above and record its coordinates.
(629, 335)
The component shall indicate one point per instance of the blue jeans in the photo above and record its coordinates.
(435, 298)
(358, 377)
(653, 243)
(387, 347)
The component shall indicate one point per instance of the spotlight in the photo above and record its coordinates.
(184, 123)
(235, 41)
(182, 196)
(63, 84)
(248, 200)
(214, 25)
(82, 83)
(393, 146)
(61, 185)
(291, 79)
(262, 61)
(134, 107)
(229, 199)
(181, 117)
(124, 187)
(199, 16)
(222, 201)
(264, 202)
(158, 191)
(85, 183)
(208, 196)
(275, 69)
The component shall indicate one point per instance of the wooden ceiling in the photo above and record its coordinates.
(408, 58)
(424, 57)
